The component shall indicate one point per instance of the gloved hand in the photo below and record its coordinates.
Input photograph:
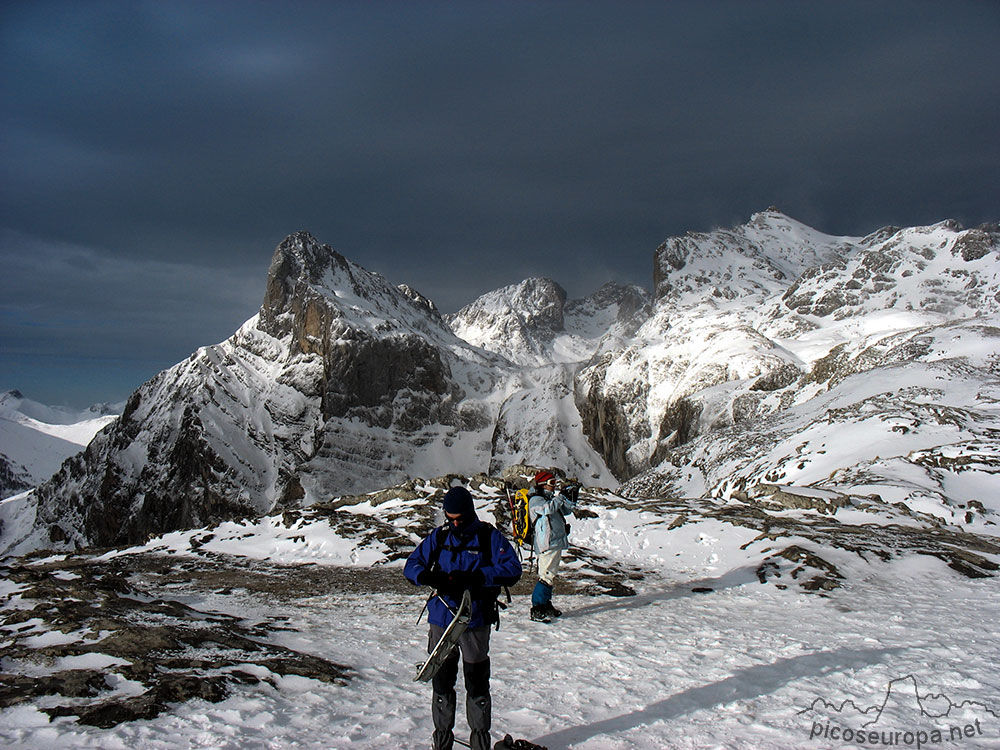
(436, 579)
(456, 581)
(571, 490)
(460, 580)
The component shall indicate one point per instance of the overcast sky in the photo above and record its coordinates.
(153, 154)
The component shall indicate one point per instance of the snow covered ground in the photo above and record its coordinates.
(703, 656)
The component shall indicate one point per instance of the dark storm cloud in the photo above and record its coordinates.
(460, 147)
(91, 327)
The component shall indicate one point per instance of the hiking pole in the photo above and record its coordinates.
(427, 604)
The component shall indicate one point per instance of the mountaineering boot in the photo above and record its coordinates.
(443, 714)
(540, 614)
(478, 704)
(443, 703)
(479, 711)
(553, 612)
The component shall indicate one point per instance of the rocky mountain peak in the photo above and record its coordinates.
(533, 323)
(539, 302)
(756, 259)
(300, 255)
(314, 293)
(299, 265)
(423, 302)
(614, 309)
(517, 321)
(628, 298)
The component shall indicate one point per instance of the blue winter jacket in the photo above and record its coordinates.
(459, 551)
(548, 513)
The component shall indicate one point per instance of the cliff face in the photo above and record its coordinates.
(373, 341)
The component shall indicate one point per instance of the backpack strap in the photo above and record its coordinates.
(440, 534)
(484, 536)
(486, 558)
(486, 544)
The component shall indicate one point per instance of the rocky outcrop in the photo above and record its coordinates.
(169, 652)
(13, 478)
(606, 425)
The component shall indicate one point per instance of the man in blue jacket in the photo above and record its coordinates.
(464, 554)
(547, 509)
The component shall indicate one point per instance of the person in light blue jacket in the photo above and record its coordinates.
(547, 510)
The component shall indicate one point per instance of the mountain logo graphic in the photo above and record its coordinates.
(904, 717)
(902, 697)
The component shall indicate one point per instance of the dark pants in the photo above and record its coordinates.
(475, 648)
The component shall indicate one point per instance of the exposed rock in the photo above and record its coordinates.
(605, 423)
(679, 425)
(776, 379)
(976, 243)
(775, 496)
(13, 479)
(149, 643)
(810, 571)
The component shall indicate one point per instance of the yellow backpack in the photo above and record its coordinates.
(521, 526)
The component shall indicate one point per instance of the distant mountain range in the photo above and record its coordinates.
(35, 439)
(768, 355)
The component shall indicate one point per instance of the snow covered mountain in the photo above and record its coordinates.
(35, 439)
(777, 355)
(807, 426)
(341, 382)
(533, 324)
(771, 355)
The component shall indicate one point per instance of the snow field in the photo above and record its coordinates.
(731, 668)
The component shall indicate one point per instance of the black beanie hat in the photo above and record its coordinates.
(458, 500)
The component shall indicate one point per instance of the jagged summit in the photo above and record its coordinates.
(533, 322)
(313, 291)
(756, 259)
(518, 321)
(300, 254)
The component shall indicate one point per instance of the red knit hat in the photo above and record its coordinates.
(544, 476)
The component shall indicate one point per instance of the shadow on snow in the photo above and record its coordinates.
(747, 684)
(732, 579)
